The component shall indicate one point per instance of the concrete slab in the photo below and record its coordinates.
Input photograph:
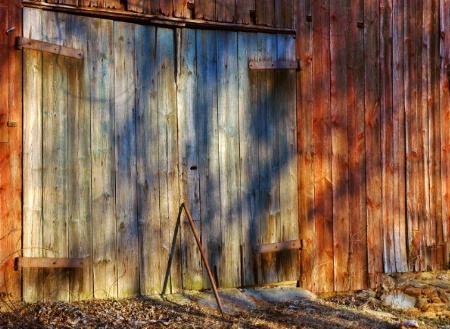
(279, 294)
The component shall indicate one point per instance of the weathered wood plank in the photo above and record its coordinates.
(111, 4)
(411, 138)
(265, 12)
(357, 264)
(247, 50)
(101, 67)
(180, 8)
(399, 183)
(373, 142)
(339, 160)
(166, 7)
(387, 147)
(323, 193)
(13, 222)
(444, 11)
(229, 172)
(79, 160)
(225, 10)
(187, 103)
(168, 152)
(135, 5)
(208, 148)
(47, 262)
(147, 163)
(243, 8)
(276, 246)
(284, 13)
(307, 175)
(205, 9)
(125, 146)
(266, 129)
(32, 157)
(286, 101)
(54, 158)
(4, 53)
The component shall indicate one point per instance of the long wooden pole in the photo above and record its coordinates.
(205, 261)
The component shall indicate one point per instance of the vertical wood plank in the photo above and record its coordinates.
(373, 142)
(286, 92)
(243, 8)
(32, 157)
(101, 66)
(339, 161)
(323, 193)
(225, 10)
(208, 147)
(265, 128)
(168, 152)
(205, 9)
(411, 138)
(265, 12)
(135, 5)
(247, 51)
(147, 161)
(4, 70)
(444, 11)
(13, 242)
(229, 173)
(180, 9)
(79, 159)
(187, 102)
(125, 146)
(284, 14)
(166, 7)
(386, 109)
(311, 260)
(54, 155)
(357, 263)
(111, 4)
(399, 183)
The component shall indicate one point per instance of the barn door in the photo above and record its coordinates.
(238, 155)
(10, 147)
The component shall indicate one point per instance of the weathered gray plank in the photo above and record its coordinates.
(147, 161)
(32, 156)
(187, 103)
(101, 67)
(287, 145)
(249, 167)
(208, 148)
(54, 156)
(79, 160)
(168, 152)
(229, 173)
(125, 147)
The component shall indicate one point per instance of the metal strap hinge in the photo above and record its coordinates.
(275, 65)
(22, 42)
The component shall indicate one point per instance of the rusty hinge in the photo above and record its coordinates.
(277, 246)
(275, 65)
(22, 42)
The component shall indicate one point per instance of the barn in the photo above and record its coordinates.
(308, 139)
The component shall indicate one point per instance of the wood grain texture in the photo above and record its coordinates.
(265, 12)
(284, 16)
(4, 74)
(208, 143)
(323, 194)
(247, 51)
(205, 9)
(79, 160)
(373, 143)
(101, 67)
(229, 173)
(243, 8)
(225, 10)
(125, 147)
(357, 263)
(187, 102)
(147, 163)
(32, 157)
(287, 158)
(306, 149)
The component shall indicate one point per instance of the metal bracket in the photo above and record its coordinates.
(275, 65)
(22, 42)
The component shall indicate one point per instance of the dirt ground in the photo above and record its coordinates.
(354, 310)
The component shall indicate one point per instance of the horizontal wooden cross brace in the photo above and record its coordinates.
(277, 246)
(46, 262)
